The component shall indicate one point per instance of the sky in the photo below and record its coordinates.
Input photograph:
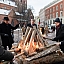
(36, 5)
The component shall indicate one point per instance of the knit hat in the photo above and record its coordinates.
(57, 20)
(6, 18)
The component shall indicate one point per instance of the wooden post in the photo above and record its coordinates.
(31, 48)
(41, 39)
(27, 30)
(28, 36)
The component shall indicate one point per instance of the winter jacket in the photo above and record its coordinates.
(59, 34)
(5, 32)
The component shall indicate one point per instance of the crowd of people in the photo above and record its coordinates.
(6, 38)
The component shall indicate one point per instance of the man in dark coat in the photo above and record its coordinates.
(59, 31)
(5, 32)
(32, 24)
(4, 54)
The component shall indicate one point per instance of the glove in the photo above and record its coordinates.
(53, 39)
(6, 35)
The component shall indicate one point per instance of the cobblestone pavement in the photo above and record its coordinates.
(17, 35)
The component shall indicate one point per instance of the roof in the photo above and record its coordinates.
(8, 2)
(5, 12)
(17, 13)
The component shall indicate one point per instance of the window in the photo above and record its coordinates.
(61, 13)
(4, 7)
(57, 7)
(51, 16)
(53, 9)
(50, 10)
(61, 6)
(56, 14)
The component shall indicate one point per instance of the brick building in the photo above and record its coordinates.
(16, 10)
(8, 8)
(53, 10)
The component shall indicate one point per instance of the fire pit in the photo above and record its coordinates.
(31, 42)
(32, 48)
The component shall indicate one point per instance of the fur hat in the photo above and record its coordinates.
(6, 18)
(57, 20)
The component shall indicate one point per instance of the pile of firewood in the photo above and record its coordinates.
(33, 46)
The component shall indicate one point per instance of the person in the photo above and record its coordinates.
(4, 54)
(32, 24)
(5, 32)
(46, 29)
(59, 31)
(24, 29)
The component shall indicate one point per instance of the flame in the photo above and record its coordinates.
(19, 46)
(27, 47)
(37, 46)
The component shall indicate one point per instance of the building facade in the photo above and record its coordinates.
(42, 16)
(54, 10)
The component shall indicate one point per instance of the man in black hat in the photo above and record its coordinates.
(5, 32)
(59, 30)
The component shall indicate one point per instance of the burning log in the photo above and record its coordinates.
(28, 36)
(41, 39)
(29, 45)
(18, 55)
(43, 53)
(23, 52)
(15, 50)
(31, 42)
(32, 54)
(27, 30)
(33, 36)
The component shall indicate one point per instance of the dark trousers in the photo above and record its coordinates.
(5, 46)
(7, 56)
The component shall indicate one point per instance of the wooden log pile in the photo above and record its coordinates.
(34, 48)
(31, 41)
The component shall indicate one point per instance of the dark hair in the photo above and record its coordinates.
(6, 18)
